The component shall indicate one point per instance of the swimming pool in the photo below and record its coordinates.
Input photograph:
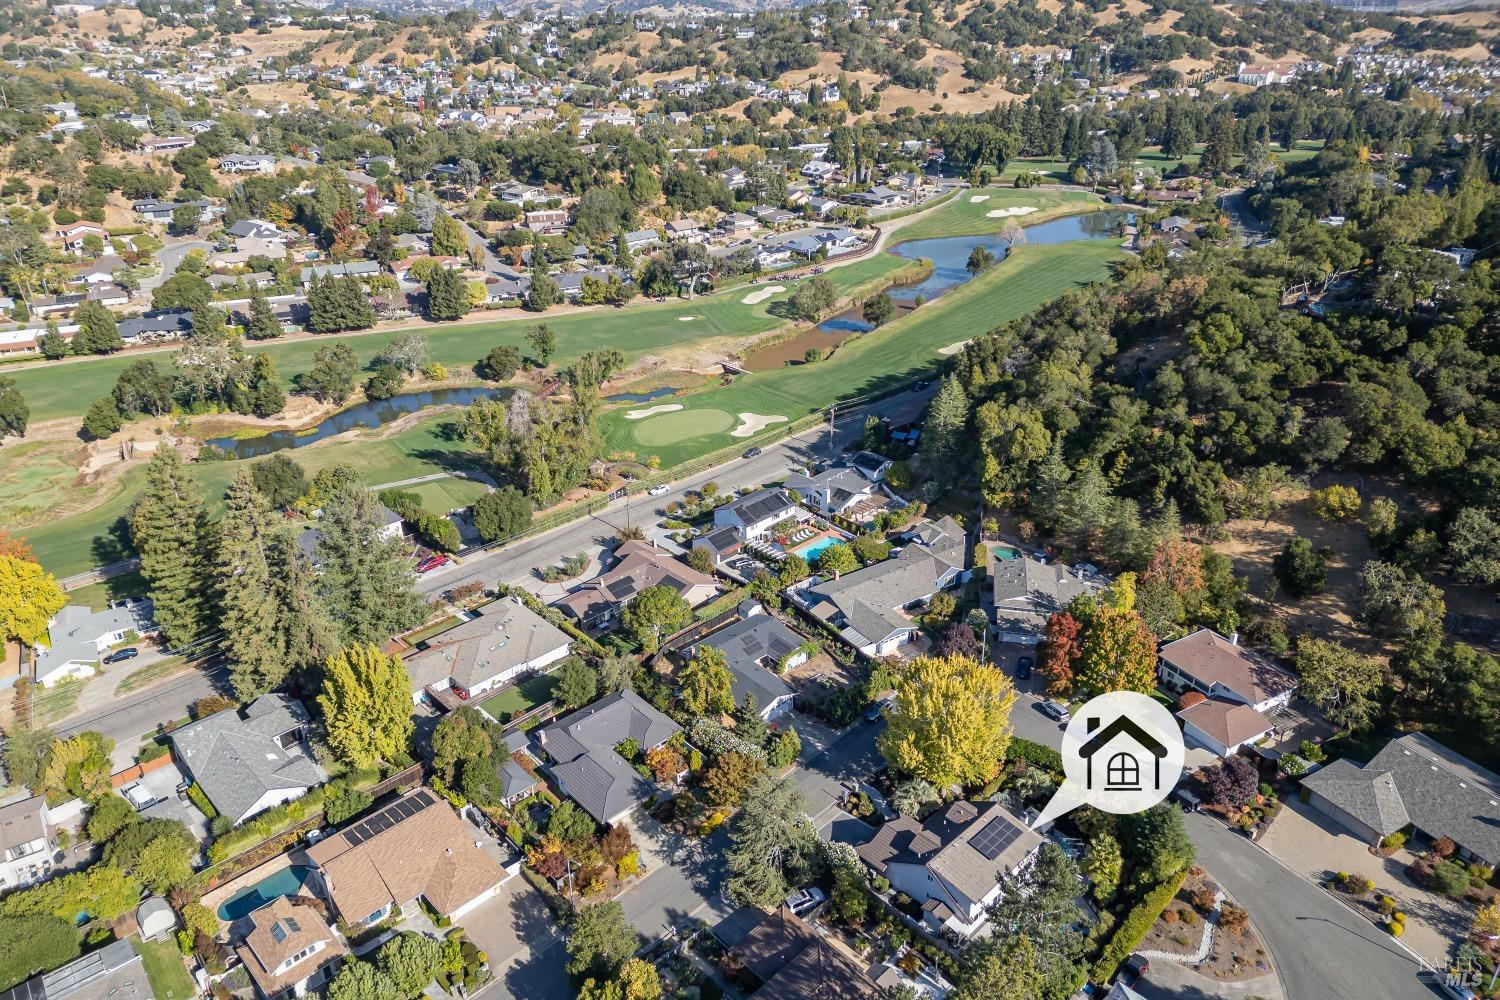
(1004, 553)
(811, 549)
(287, 882)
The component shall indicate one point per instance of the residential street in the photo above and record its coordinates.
(516, 564)
(133, 717)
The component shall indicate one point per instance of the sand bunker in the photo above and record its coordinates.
(761, 294)
(953, 348)
(686, 319)
(1007, 213)
(753, 423)
(651, 411)
(978, 198)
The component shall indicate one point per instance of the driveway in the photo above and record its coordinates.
(525, 948)
(170, 258)
(1171, 981)
(1308, 841)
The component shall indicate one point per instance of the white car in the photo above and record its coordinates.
(804, 899)
(657, 491)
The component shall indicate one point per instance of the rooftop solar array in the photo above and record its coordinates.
(388, 817)
(998, 834)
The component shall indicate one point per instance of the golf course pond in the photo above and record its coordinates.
(366, 415)
(950, 258)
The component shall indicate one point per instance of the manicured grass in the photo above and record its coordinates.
(684, 425)
(99, 595)
(67, 389)
(1151, 158)
(963, 216)
(99, 536)
(449, 493)
(169, 977)
(889, 357)
(522, 697)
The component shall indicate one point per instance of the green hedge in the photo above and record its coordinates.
(1128, 935)
(200, 799)
(32, 944)
(273, 821)
(1036, 754)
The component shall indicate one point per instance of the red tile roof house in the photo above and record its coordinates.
(1241, 689)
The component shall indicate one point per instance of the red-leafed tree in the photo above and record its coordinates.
(1061, 648)
(1232, 782)
(18, 548)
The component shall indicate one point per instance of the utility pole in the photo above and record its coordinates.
(833, 418)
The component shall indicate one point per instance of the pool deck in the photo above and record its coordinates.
(215, 898)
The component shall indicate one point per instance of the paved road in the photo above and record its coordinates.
(515, 564)
(170, 258)
(130, 719)
(1320, 948)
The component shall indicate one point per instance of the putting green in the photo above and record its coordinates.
(670, 428)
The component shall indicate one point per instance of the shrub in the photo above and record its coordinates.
(1335, 503)
(34, 943)
(1480, 873)
(1393, 841)
(1128, 934)
(1450, 878)
(1396, 929)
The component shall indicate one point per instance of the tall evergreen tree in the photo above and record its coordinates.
(306, 632)
(97, 331)
(245, 576)
(365, 581)
(175, 543)
(263, 323)
(946, 420)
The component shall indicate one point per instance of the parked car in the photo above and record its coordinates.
(752, 453)
(1134, 969)
(1023, 669)
(804, 899)
(121, 655)
(876, 710)
(1056, 711)
(1190, 803)
(657, 491)
(1457, 990)
(431, 563)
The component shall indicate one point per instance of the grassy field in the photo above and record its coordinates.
(169, 977)
(99, 595)
(522, 697)
(963, 216)
(1151, 158)
(66, 389)
(448, 493)
(876, 362)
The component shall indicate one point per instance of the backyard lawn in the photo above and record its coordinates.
(169, 977)
(522, 697)
(877, 362)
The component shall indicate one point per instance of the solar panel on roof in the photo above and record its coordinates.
(354, 837)
(996, 836)
(278, 932)
(621, 588)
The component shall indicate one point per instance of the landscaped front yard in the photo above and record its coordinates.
(522, 697)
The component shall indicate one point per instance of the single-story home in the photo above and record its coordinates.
(1413, 782)
(585, 764)
(353, 269)
(873, 609)
(759, 648)
(251, 164)
(951, 863)
(77, 636)
(289, 949)
(504, 641)
(1027, 592)
(415, 848)
(638, 566)
(249, 760)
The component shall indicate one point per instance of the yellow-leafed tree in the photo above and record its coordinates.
(366, 704)
(29, 597)
(950, 724)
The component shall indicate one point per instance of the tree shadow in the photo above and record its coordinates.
(113, 544)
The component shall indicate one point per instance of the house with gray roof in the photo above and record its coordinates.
(248, 760)
(951, 863)
(77, 636)
(873, 608)
(836, 490)
(161, 324)
(113, 972)
(1027, 592)
(1413, 782)
(353, 269)
(754, 514)
(504, 641)
(584, 761)
(759, 648)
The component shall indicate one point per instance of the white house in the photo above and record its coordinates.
(247, 761)
(754, 514)
(77, 636)
(951, 863)
(505, 641)
(26, 843)
(834, 491)
(252, 164)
